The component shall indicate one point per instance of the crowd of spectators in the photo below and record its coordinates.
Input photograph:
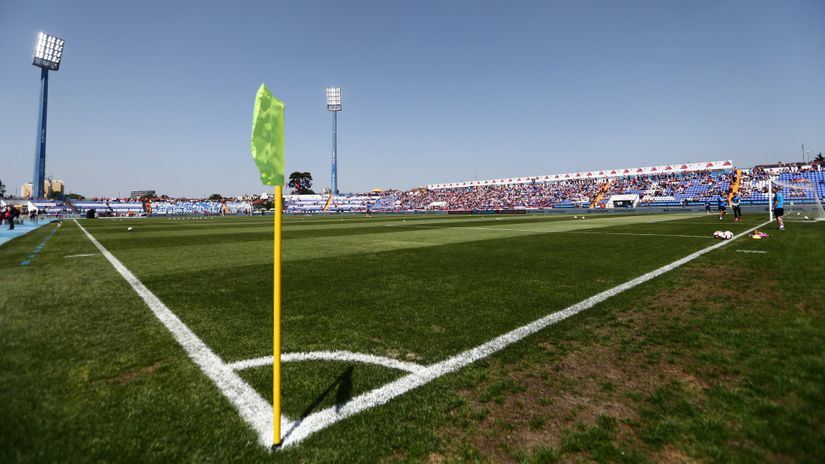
(204, 207)
(683, 188)
(754, 184)
(650, 190)
(512, 196)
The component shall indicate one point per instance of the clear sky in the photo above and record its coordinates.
(159, 94)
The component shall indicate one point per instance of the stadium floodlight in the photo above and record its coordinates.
(47, 56)
(333, 99)
(48, 52)
(334, 105)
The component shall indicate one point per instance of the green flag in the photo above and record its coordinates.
(268, 137)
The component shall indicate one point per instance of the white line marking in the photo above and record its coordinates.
(633, 234)
(750, 251)
(320, 420)
(500, 228)
(79, 256)
(346, 356)
(582, 231)
(585, 232)
(255, 410)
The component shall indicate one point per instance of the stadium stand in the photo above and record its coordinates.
(339, 204)
(817, 179)
(200, 207)
(662, 186)
(638, 187)
(680, 189)
(388, 201)
(51, 207)
(109, 208)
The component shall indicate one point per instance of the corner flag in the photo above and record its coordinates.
(268, 153)
(268, 137)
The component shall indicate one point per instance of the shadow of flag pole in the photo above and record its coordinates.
(268, 153)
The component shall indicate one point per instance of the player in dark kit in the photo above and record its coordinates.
(737, 210)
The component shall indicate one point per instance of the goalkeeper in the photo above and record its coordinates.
(779, 207)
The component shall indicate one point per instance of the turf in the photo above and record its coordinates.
(87, 373)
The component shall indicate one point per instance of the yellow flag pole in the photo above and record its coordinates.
(276, 322)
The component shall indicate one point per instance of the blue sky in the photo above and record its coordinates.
(159, 94)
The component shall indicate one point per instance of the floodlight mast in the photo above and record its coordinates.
(47, 55)
(334, 105)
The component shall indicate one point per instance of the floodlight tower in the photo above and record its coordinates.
(47, 56)
(334, 105)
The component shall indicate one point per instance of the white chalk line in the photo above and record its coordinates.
(303, 428)
(80, 256)
(243, 396)
(582, 231)
(255, 410)
(586, 232)
(633, 234)
(750, 251)
(345, 356)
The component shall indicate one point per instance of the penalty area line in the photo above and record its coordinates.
(306, 426)
(251, 406)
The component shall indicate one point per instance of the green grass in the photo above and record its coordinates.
(719, 360)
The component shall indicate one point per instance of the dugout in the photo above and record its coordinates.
(623, 201)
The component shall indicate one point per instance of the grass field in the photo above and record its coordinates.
(720, 359)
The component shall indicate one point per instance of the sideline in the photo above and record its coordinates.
(255, 410)
(7, 235)
(39, 248)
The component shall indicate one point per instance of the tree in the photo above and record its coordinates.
(216, 197)
(301, 183)
(2, 189)
(75, 196)
(819, 159)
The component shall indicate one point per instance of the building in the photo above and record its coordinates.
(143, 193)
(50, 187)
(56, 187)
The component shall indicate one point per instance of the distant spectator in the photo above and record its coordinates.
(10, 216)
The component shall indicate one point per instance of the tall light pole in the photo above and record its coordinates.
(334, 105)
(47, 57)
